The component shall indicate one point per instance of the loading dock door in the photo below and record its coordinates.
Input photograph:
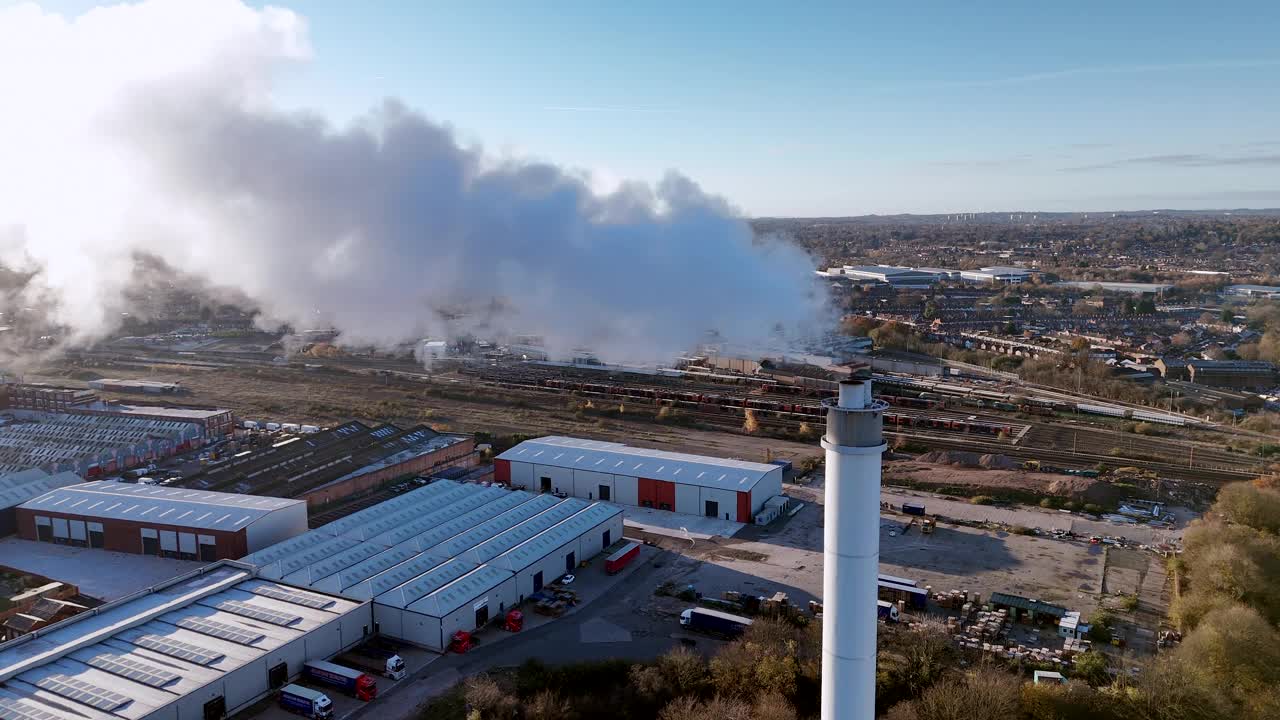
(482, 616)
(605, 540)
(604, 493)
(546, 484)
(278, 675)
(215, 709)
(570, 561)
(713, 509)
(537, 581)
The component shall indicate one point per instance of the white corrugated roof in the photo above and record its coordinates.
(17, 488)
(309, 556)
(461, 591)
(527, 553)
(162, 505)
(499, 544)
(453, 527)
(430, 581)
(464, 541)
(366, 569)
(129, 659)
(475, 523)
(492, 499)
(619, 459)
(397, 518)
(422, 495)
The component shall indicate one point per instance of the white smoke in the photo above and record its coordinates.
(150, 128)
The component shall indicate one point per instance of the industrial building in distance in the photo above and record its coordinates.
(333, 464)
(199, 647)
(68, 430)
(17, 488)
(147, 387)
(446, 557)
(735, 490)
(923, 277)
(163, 521)
(1218, 373)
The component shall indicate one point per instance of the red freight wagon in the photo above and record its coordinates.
(621, 558)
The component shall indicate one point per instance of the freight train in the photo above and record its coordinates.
(769, 406)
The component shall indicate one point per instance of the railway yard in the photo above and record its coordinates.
(707, 412)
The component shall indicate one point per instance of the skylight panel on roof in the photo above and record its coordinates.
(132, 669)
(274, 617)
(82, 692)
(213, 628)
(178, 649)
(11, 709)
(277, 593)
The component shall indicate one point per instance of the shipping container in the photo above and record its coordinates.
(622, 558)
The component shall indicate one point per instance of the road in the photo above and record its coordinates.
(616, 624)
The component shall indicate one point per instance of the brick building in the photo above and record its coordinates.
(163, 521)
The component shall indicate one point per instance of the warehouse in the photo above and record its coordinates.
(1232, 373)
(17, 488)
(446, 557)
(90, 445)
(149, 387)
(164, 521)
(338, 462)
(213, 423)
(903, 277)
(734, 490)
(997, 275)
(200, 647)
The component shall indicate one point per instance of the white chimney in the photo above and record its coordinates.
(854, 442)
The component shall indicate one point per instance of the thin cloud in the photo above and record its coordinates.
(1184, 160)
(1112, 70)
(605, 109)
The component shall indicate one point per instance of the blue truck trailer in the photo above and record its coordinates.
(306, 702)
(714, 622)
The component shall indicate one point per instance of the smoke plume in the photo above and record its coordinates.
(150, 129)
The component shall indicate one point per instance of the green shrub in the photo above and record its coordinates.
(982, 500)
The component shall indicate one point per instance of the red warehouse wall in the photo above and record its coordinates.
(502, 471)
(126, 535)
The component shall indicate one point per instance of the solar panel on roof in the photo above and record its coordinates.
(132, 669)
(82, 692)
(178, 649)
(276, 593)
(274, 617)
(11, 709)
(213, 628)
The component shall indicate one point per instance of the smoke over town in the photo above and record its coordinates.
(172, 147)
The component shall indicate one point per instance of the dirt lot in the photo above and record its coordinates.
(928, 475)
(326, 397)
(788, 557)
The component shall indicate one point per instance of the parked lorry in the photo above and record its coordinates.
(622, 558)
(714, 622)
(887, 611)
(911, 508)
(306, 702)
(348, 680)
(378, 659)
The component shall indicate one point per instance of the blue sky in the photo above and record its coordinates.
(841, 108)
